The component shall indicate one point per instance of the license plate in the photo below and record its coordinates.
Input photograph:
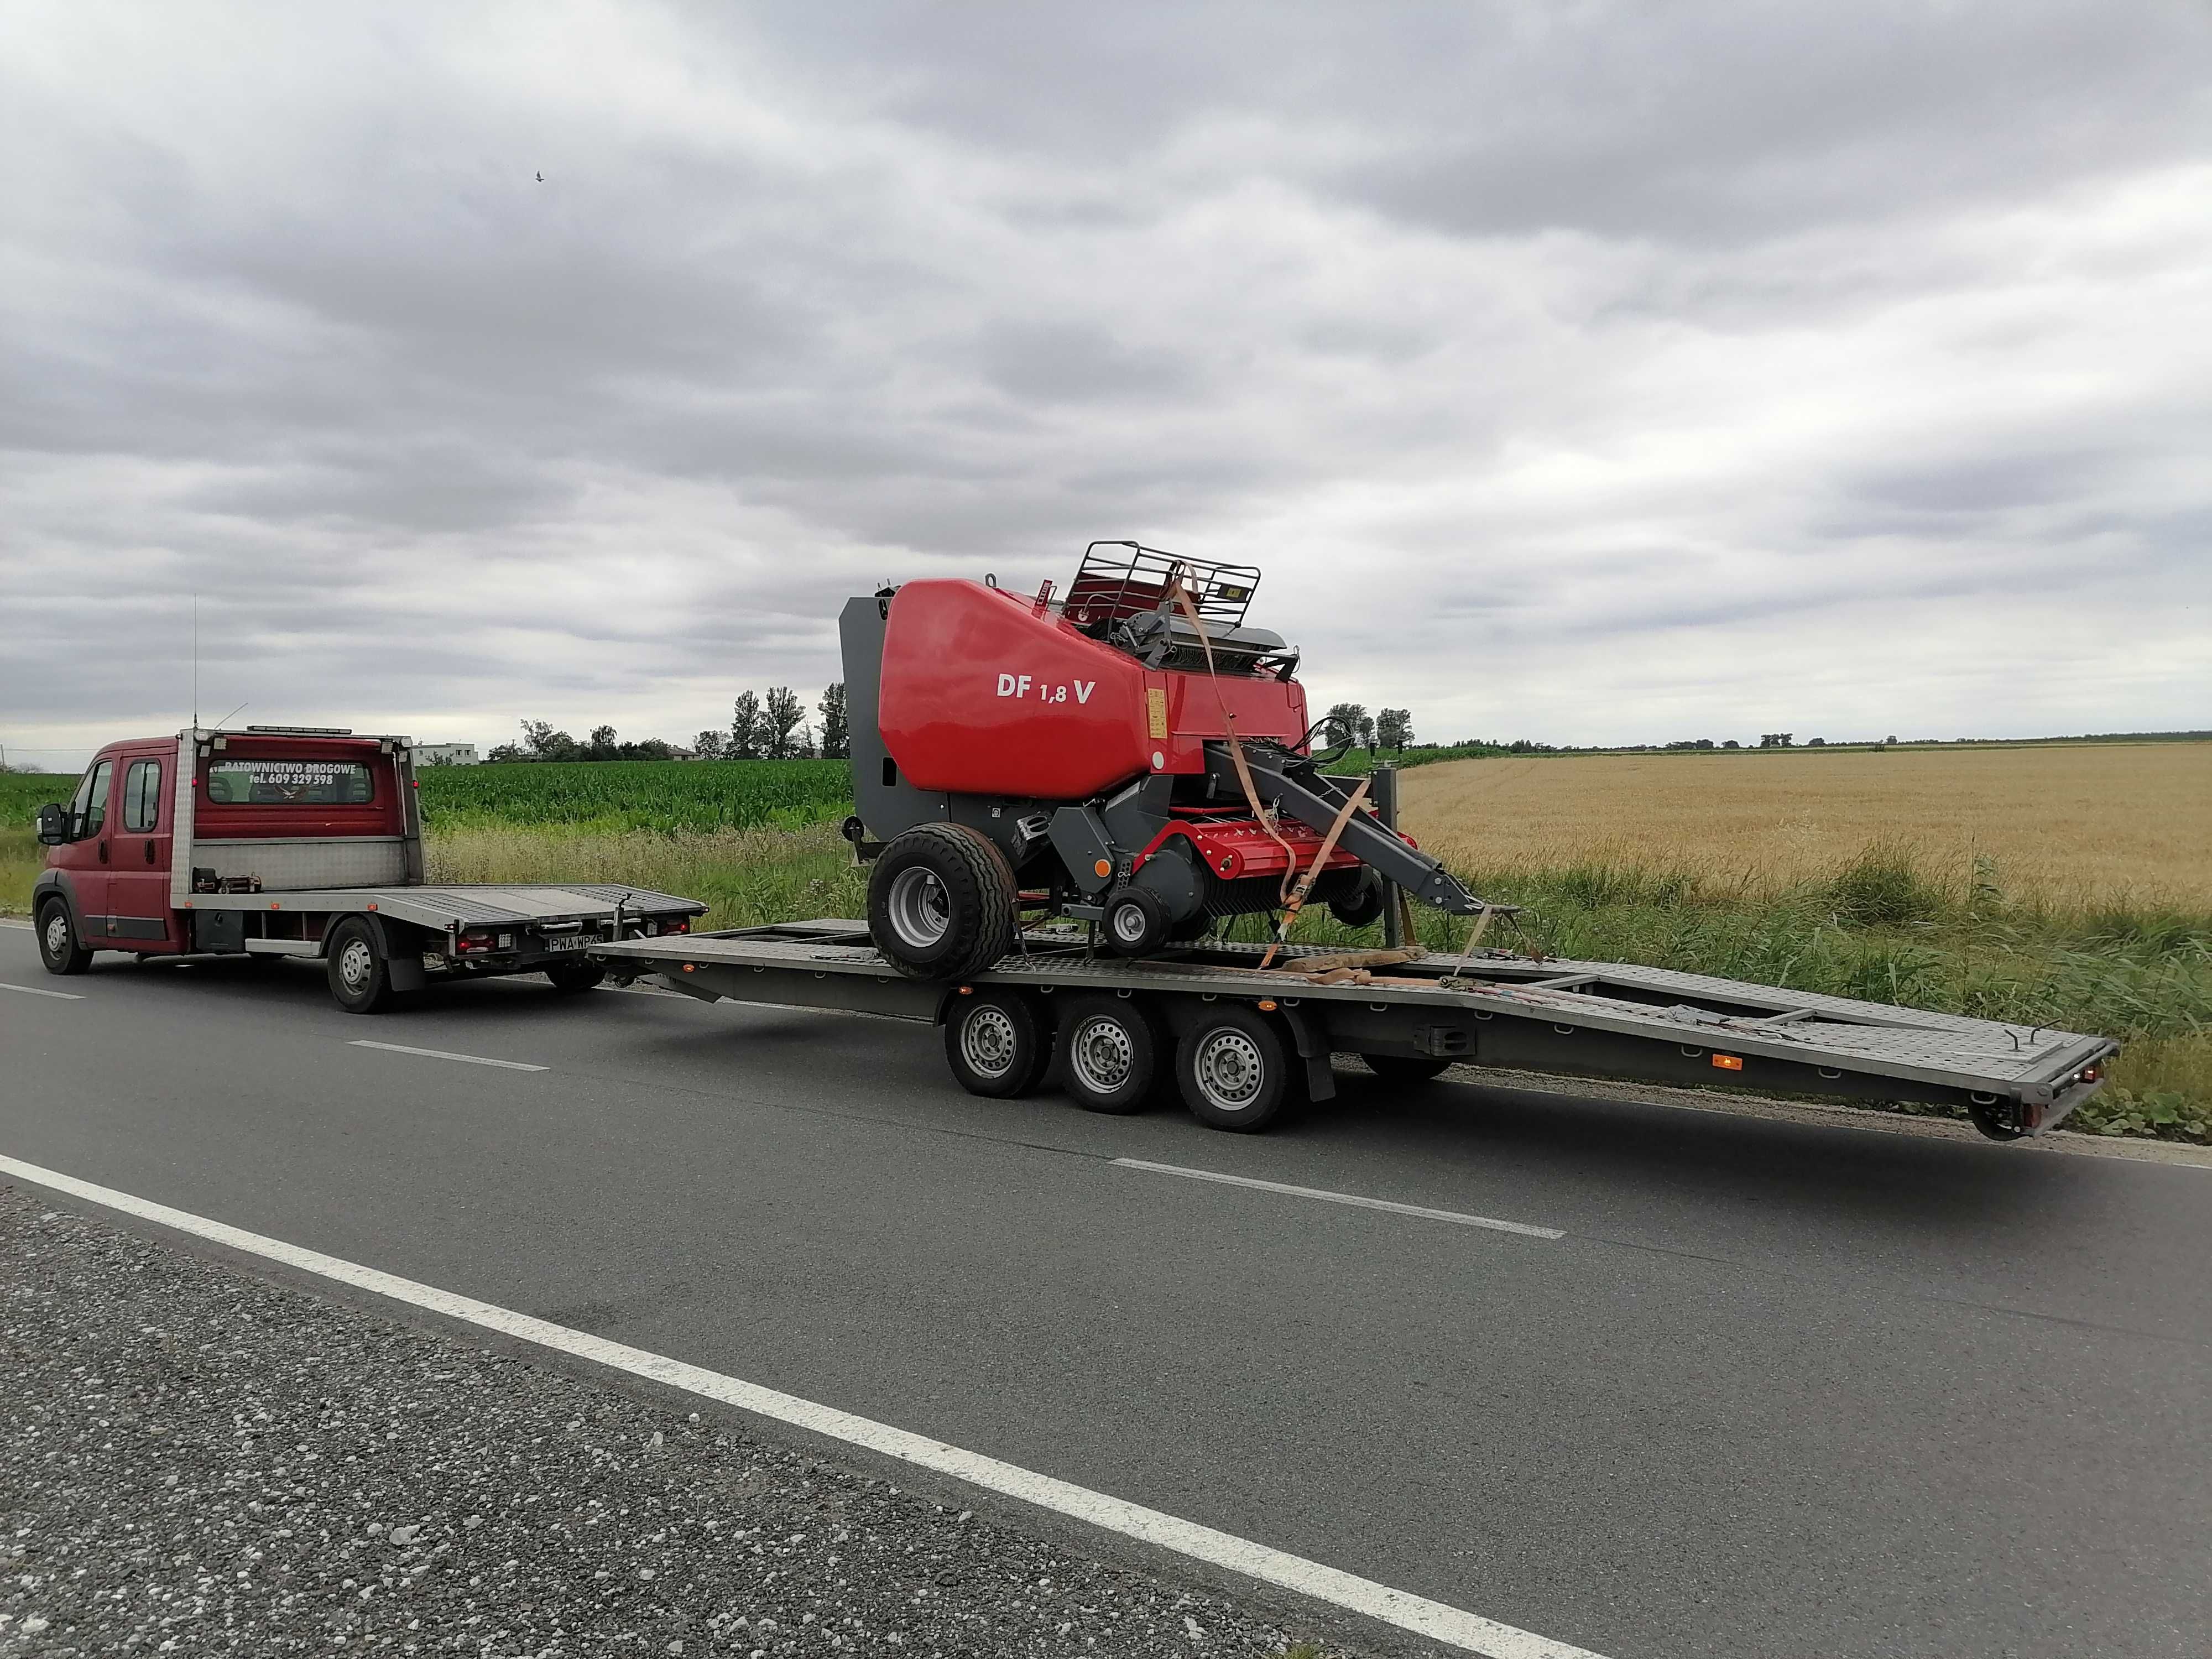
(568, 942)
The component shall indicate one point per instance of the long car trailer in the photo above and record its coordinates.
(1238, 1041)
(281, 841)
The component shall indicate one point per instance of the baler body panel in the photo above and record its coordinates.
(984, 695)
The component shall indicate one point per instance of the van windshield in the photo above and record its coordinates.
(249, 783)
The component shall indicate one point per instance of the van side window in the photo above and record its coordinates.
(89, 809)
(142, 795)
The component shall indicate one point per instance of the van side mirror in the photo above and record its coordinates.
(54, 826)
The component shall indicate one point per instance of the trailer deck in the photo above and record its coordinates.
(1496, 1008)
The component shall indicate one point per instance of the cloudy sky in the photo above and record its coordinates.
(1587, 371)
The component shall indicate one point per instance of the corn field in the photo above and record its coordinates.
(666, 797)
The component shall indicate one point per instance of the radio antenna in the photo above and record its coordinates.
(195, 663)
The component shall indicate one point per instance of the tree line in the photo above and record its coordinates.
(1348, 724)
(773, 727)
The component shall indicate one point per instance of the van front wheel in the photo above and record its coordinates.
(59, 947)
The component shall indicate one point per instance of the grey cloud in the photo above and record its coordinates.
(1533, 337)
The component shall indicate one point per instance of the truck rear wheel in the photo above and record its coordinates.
(941, 902)
(59, 947)
(995, 1043)
(1234, 1069)
(574, 978)
(1109, 1054)
(359, 973)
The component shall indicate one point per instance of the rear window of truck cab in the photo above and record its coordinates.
(239, 780)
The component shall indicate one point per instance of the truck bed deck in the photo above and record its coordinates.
(1593, 1018)
(460, 905)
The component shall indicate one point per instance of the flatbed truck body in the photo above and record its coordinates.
(290, 841)
(1408, 1018)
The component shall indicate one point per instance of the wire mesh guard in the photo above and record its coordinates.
(1120, 579)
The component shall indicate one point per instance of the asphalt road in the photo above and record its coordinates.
(1780, 1389)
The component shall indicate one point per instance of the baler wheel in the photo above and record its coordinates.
(1361, 901)
(1136, 923)
(941, 902)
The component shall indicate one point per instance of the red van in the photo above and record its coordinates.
(300, 841)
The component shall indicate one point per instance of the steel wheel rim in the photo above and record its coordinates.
(1129, 923)
(988, 1043)
(1230, 1071)
(921, 910)
(1102, 1054)
(58, 935)
(356, 964)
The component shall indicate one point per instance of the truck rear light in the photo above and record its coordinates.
(474, 943)
(680, 927)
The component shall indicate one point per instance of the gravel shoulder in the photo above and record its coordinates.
(196, 1461)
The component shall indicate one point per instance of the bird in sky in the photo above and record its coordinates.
(541, 178)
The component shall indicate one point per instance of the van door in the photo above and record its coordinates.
(83, 862)
(138, 871)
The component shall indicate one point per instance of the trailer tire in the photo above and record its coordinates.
(59, 948)
(1361, 903)
(358, 970)
(995, 1043)
(574, 978)
(941, 902)
(1109, 1054)
(1234, 1069)
(1406, 1070)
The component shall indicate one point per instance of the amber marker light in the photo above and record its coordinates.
(1728, 1062)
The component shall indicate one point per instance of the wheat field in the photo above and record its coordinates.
(2069, 827)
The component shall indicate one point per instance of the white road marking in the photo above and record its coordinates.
(39, 991)
(1469, 1631)
(1425, 1214)
(29, 927)
(440, 1054)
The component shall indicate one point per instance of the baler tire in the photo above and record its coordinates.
(1363, 903)
(59, 948)
(1191, 929)
(1127, 937)
(1406, 1070)
(979, 895)
(1235, 1070)
(1110, 1049)
(995, 1043)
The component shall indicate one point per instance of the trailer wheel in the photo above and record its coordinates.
(1136, 922)
(1405, 1069)
(1234, 1069)
(941, 902)
(1109, 1054)
(59, 947)
(995, 1044)
(359, 971)
(574, 978)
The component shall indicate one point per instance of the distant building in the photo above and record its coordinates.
(445, 754)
